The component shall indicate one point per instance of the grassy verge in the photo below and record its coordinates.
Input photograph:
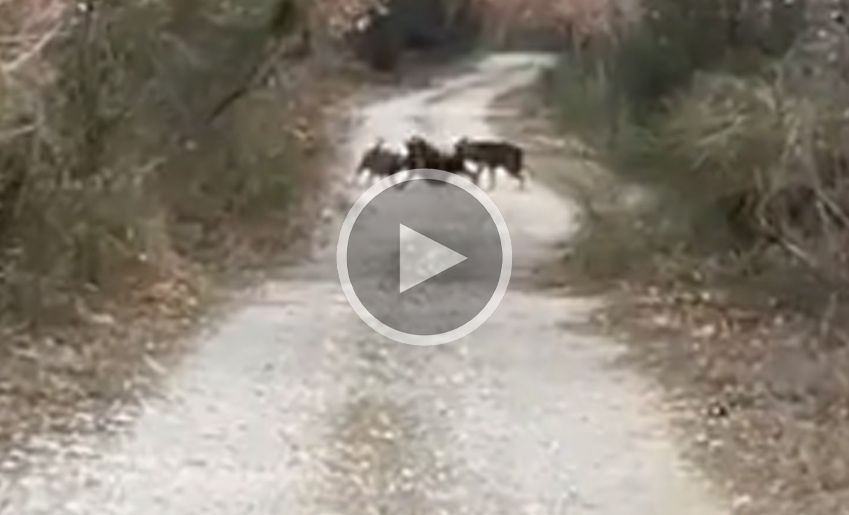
(144, 159)
(728, 283)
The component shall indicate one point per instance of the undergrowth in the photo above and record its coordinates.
(137, 134)
(733, 115)
(735, 120)
(147, 150)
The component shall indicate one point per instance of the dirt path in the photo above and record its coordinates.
(294, 406)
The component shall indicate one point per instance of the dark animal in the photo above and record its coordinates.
(381, 162)
(422, 154)
(494, 155)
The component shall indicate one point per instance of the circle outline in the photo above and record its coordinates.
(425, 340)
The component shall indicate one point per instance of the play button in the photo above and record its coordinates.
(422, 258)
(425, 264)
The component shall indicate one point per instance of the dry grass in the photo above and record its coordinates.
(738, 303)
(720, 128)
(140, 144)
(144, 148)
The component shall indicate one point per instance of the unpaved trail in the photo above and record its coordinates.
(294, 406)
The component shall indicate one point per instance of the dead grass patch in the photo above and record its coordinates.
(130, 206)
(746, 344)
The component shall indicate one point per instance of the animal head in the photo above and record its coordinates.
(370, 155)
(416, 148)
(420, 146)
(461, 144)
(380, 160)
(414, 142)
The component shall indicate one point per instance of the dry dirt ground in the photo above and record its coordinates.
(71, 380)
(764, 402)
(740, 387)
(292, 405)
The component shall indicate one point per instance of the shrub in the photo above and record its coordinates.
(729, 107)
(131, 124)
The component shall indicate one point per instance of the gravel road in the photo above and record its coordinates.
(294, 406)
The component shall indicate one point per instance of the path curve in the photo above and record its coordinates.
(294, 406)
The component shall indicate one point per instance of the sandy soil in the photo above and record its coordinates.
(292, 405)
(762, 387)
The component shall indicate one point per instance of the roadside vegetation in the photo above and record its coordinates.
(144, 148)
(150, 149)
(151, 154)
(731, 116)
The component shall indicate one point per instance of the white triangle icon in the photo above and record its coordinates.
(422, 258)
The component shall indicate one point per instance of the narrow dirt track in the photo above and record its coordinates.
(294, 406)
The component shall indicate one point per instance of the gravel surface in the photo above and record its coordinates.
(293, 405)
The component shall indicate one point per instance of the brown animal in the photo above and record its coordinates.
(422, 154)
(381, 162)
(494, 155)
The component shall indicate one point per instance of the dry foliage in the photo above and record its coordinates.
(740, 110)
(117, 126)
(139, 142)
(746, 112)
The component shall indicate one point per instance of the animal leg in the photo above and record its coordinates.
(471, 175)
(369, 179)
(520, 176)
(402, 176)
(406, 174)
(524, 177)
(477, 173)
(466, 173)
